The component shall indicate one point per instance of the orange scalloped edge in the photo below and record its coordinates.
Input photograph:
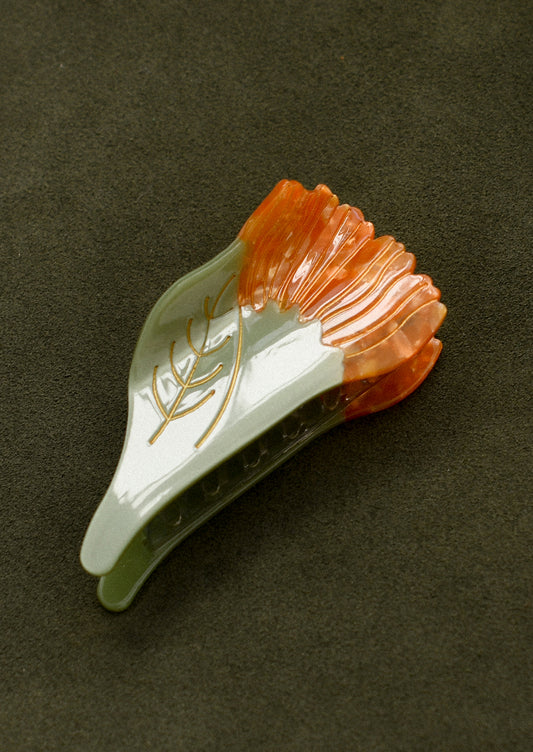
(395, 386)
(305, 249)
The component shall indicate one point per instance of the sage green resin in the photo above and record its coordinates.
(219, 395)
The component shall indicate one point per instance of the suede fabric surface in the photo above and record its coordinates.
(374, 592)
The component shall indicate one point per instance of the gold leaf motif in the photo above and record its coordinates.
(187, 382)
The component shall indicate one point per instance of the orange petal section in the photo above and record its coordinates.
(393, 387)
(305, 249)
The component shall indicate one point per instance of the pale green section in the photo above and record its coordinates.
(117, 589)
(283, 364)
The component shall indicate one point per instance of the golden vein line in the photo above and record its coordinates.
(218, 347)
(194, 407)
(231, 387)
(220, 294)
(189, 340)
(205, 379)
(156, 393)
(189, 383)
(175, 372)
(169, 416)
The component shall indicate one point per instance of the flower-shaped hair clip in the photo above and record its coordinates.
(304, 321)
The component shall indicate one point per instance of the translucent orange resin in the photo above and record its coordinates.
(305, 249)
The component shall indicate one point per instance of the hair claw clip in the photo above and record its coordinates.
(304, 321)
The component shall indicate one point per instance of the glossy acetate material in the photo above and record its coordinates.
(305, 250)
(306, 320)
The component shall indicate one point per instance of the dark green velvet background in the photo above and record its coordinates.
(373, 593)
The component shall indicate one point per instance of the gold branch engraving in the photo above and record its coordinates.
(231, 387)
(188, 382)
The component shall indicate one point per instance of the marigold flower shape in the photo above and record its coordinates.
(306, 250)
